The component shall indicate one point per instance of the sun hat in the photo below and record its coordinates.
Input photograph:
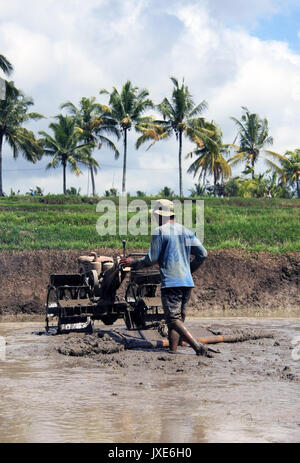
(163, 207)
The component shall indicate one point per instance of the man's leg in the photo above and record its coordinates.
(171, 302)
(187, 336)
(174, 339)
(186, 294)
(173, 299)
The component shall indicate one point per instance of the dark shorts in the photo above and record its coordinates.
(174, 302)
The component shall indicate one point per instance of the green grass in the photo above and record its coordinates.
(57, 222)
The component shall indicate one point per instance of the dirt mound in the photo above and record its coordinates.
(229, 279)
(89, 345)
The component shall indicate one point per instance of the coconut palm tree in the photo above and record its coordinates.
(210, 157)
(253, 135)
(13, 115)
(127, 109)
(166, 192)
(65, 147)
(94, 123)
(198, 190)
(180, 116)
(290, 171)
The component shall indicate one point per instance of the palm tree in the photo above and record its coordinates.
(290, 172)
(5, 65)
(198, 190)
(210, 157)
(166, 192)
(93, 122)
(127, 108)
(13, 114)
(179, 117)
(253, 134)
(65, 147)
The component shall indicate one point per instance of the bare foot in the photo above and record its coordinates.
(203, 350)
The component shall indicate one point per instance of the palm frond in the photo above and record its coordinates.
(110, 145)
(275, 155)
(5, 65)
(274, 166)
(237, 158)
(198, 109)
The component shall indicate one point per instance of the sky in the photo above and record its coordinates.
(230, 53)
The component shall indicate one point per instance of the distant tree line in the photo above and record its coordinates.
(72, 139)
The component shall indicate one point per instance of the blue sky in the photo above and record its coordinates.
(282, 26)
(231, 53)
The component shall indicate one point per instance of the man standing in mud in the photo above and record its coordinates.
(171, 247)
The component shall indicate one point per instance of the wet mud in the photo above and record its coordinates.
(269, 356)
(90, 345)
(89, 388)
(228, 280)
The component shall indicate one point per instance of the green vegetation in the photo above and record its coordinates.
(210, 158)
(290, 171)
(253, 134)
(69, 222)
(13, 115)
(66, 147)
(93, 124)
(179, 117)
(126, 110)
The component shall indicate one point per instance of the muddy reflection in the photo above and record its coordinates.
(46, 397)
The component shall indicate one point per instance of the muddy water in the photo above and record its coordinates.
(47, 397)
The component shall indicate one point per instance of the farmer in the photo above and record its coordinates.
(171, 247)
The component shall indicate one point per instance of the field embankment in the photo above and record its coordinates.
(229, 279)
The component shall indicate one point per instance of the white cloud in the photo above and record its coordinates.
(237, 69)
(234, 10)
(62, 50)
(31, 51)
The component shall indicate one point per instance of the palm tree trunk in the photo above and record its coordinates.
(1, 144)
(64, 176)
(252, 165)
(93, 180)
(124, 163)
(215, 183)
(180, 166)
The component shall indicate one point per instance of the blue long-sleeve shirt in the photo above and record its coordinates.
(171, 247)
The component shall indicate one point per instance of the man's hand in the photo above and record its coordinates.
(126, 261)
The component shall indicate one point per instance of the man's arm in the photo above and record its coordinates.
(199, 252)
(150, 259)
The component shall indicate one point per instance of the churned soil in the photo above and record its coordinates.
(80, 346)
(267, 357)
(228, 279)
